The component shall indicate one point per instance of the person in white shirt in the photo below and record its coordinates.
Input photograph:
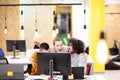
(78, 56)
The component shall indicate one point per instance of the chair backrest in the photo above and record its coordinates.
(3, 60)
(1, 52)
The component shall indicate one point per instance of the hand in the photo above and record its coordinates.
(33, 62)
(85, 56)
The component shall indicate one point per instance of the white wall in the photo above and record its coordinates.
(80, 19)
(112, 1)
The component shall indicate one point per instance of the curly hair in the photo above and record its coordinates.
(77, 45)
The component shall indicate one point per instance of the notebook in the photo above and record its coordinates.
(11, 72)
(78, 73)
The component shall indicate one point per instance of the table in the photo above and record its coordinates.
(26, 60)
(20, 60)
(87, 77)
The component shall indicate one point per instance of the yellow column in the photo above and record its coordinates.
(97, 24)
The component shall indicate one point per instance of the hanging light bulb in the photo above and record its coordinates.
(22, 31)
(57, 30)
(22, 25)
(54, 32)
(5, 30)
(36, 32)
(102, 50)
(68, 35)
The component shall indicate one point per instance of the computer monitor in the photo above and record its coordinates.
(16, 46)
(61, 63)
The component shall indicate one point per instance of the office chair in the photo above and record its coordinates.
(3, 60)
(29, 69)
(1, 52)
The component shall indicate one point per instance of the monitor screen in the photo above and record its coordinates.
(61, 63)
(19, 45)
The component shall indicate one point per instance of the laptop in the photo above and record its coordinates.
(11, 72)
(78, 73)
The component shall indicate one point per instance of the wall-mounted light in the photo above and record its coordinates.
(102, 50)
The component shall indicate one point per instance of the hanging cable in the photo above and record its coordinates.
(5, 29)
(84, 14)
(36, 30)
(22, 22)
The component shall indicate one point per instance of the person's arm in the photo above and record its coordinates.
(32, 59)
(82, 60)
(34, 64)
(85, 55)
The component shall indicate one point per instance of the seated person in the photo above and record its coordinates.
(1, 52)
(37, 41)
(58, 46)
(78, 56)
(44, 47)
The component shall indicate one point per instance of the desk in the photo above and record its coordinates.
(88, 77)
(21, 60)
(26, 60)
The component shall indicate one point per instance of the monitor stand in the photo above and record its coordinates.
(14, 53)
(51, 69)
(65, 77)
